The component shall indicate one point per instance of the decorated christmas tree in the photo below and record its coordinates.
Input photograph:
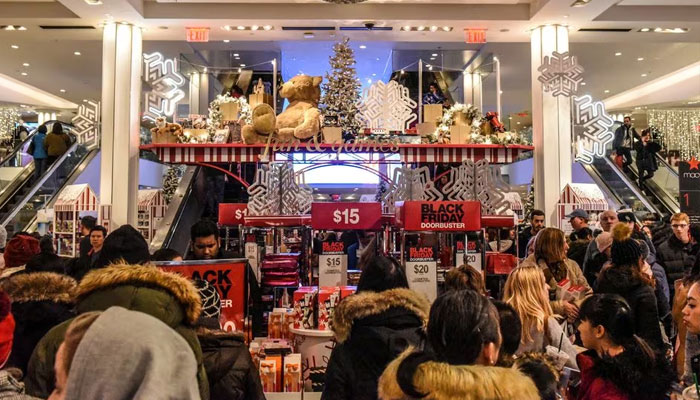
(341, 91)
(170, 183)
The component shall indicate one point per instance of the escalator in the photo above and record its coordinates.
(660, 195)
(19, 207)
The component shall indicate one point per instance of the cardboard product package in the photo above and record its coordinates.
(460, 134)
(304, 299)
(200, 135)
(328, 298)
(292, 373)
(432, 113)
(562, 287)
(332, 134)
(426, 128)
(257, 98)
(275, 323)
(229, 111)
(268, 378)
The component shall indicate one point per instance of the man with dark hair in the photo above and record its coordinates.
(511, 331)
(204, 236)
(86, 224)
(624, 140)
(166, 255)
(536, 225)
(97, 240)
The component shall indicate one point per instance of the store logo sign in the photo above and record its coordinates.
(197, 34)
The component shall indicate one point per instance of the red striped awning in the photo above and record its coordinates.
(409, 153)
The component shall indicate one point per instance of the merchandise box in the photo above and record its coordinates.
(432, 113)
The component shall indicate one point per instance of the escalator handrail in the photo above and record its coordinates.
(30, 136)
(173, 214)
(39, 183)
(663, 161)
(632, 186)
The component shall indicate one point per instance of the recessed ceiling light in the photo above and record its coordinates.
(14, 46)
(235, 55)
(25, 64)
(421, 28)
(644, 30)
(446, 28)
(24, 74)
(566, 15)
(374, 74)
(85, 100)
(267, 27)
(607, 91)
(618, 54)
(9, 28)
(94, 2)
(640, 58)
(583, 83)
(658, 30)
(434, 55)
(62, 90)
(242, 65)
(240, 70)
(254, 28)
(22, 28)
(226, 27)
(240, 27)
(23, 105)
(406, 28)
(362, 46)
(308, 35)
(226, 40)
(644, 75)
(77, 53)
(433, 28)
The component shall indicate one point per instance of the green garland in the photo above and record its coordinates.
(215, 111)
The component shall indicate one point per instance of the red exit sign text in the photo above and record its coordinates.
(197, 34)
(475, 35)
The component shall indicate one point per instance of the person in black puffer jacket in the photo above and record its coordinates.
(676, 253)
(372, 327)
(230, 369)
(625, 278)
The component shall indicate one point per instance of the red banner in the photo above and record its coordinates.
(346, 216)
(231, 214)
(229, 279)
(451, 216)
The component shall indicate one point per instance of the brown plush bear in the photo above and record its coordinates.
(300, 120)
(165, 132)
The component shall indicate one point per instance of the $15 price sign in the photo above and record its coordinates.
(346, 216)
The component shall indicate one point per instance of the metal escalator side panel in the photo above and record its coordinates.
(593, 172)
(184, 210)
(631, 186)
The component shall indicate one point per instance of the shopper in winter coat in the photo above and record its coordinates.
(39, 152)
(527, 292)
(646, 157)
(536, 225)
(675, 254)
(230, 369)
(164, 295)
(462, 347)
(608, 219)
(46, 260)
(11, 386)
(625, 278)
(118, 354)
(18, 252)
(579, 244)
(40, 301)
(619, 365)
(550, 256)
(56, 143)
(371, 328)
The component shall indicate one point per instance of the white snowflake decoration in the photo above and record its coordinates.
(87, 124)
(276, 192)
(165, 80)
(593, 132)
(410, 184)
(387, 106)
(561, 74)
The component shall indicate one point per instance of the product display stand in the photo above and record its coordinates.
(315, 347)
(74, 202)
(151, 210)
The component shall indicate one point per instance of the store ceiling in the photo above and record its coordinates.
(53, 66)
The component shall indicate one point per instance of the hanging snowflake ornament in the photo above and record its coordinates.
(560, 74)
(387, 106)
(591, 129)
(164, 77)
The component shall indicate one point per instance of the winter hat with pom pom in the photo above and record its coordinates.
(625, 250)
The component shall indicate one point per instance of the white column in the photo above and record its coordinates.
(472, 89)
(194, 93)
(551, 125)
(121, 103)
(498, 88)
(199, 93)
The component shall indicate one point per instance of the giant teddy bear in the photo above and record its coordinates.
(300, 120)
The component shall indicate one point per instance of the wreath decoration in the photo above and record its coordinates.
(215, 111)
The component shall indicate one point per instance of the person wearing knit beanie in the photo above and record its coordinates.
(18, 252)
(625, 250)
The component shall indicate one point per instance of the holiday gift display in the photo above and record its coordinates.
(341, 93)
(387, 107)
(260, 95)
(166, 132)
(224, 109)
(300, 120)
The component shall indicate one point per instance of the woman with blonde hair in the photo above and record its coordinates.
(527, 292)
(550, 257)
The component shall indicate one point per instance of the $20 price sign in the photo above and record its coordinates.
(421, 271)
(346, 216)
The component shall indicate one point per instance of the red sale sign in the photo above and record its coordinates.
(451, 216)
(232, 213)
(346, 216)
(229, 279)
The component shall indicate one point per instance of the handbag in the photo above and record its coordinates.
(500, 263)
(31, 148)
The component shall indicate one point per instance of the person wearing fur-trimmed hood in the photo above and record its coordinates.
(371, 328)
(458, 363)
(166, 296)
(40, 301)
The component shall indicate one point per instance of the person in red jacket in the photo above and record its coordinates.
(619, 365)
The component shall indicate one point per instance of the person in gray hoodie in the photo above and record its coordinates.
(120, 354)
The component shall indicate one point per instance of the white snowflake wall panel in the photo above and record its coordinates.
(165, 80)
(87, 124)
(591, 129)
(387, 106)
(560, 74)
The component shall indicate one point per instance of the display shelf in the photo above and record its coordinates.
(151, 210)
(408, 153)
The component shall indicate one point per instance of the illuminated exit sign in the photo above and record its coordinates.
(197, 34)
(475, 35)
